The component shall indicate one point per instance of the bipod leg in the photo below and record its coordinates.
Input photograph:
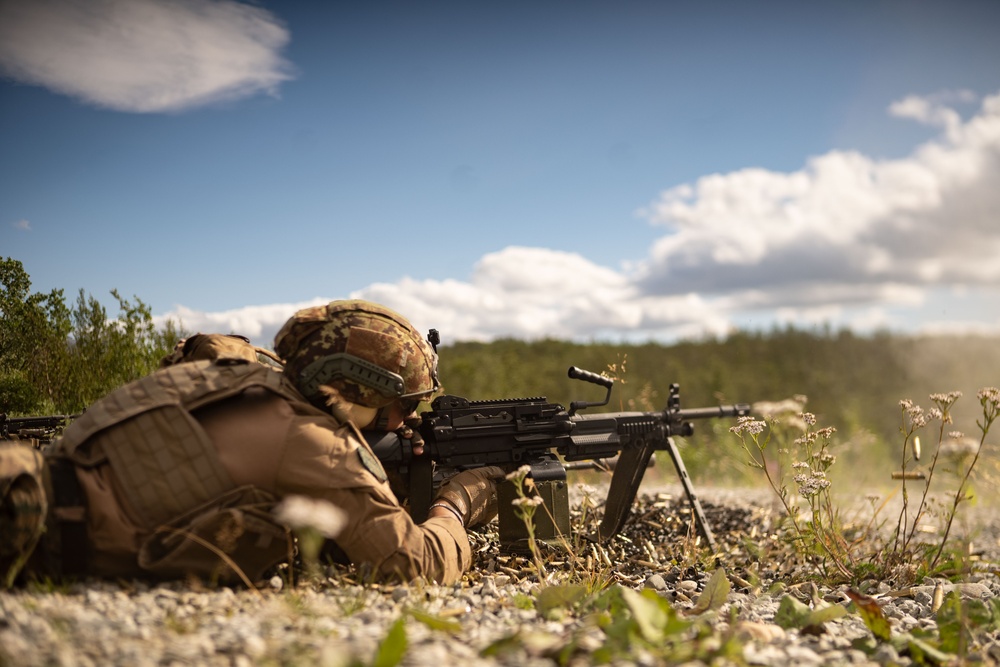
(699, 514)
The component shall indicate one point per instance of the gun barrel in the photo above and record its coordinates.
(738, 410)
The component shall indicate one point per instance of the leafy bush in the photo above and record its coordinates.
(54, 359)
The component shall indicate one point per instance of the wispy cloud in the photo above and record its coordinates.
(847, 239)
(21, 225)
(144, 55)
(933, 109)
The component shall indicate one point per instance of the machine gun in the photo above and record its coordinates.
(37, 430)
(459, 434)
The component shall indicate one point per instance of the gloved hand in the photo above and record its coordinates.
(473, 493)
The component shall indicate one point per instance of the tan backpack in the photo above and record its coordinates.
(201, 523)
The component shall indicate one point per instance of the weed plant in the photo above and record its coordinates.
(525, 506)
(795, 459)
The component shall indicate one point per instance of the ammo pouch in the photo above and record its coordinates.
(228, 539)
(23, 507)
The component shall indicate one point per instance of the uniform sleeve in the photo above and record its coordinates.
(323, 460)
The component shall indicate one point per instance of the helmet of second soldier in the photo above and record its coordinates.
(369, 354)
(210, 346)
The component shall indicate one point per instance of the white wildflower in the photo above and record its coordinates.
(959, 447)
(520, 473)
(946, 399)
(298, 512)
(917, 416)
(989, 395)
(748, 425)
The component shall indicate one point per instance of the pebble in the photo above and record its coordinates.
(117, 623)
(120, 624)
(656, 582)
(688, 587)
(111, 624)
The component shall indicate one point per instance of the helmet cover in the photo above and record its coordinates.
(211, 346)
(370, 354)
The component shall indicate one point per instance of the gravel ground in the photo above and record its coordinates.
(338, 622)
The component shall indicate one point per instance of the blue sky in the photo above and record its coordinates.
(615, 171)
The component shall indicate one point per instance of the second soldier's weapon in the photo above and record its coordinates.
(37, 430)
(459, 434)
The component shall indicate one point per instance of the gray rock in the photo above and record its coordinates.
(656, 582)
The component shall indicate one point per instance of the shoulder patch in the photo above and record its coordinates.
(372, 464)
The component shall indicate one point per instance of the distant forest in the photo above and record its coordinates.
(853, 383)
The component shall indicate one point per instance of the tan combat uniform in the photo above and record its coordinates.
(199, 452)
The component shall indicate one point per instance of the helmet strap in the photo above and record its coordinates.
(381, 421)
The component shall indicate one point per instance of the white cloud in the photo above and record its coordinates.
(537, 293)
(933, 109)
(847, 240)
(259, 323)
(843, 221)
(144, 55)
(21, 225)
(844, 239)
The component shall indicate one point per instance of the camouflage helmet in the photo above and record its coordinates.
(210, 346)
(370, 354)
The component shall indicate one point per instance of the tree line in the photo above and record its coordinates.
(58, 358)
(851, 382)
